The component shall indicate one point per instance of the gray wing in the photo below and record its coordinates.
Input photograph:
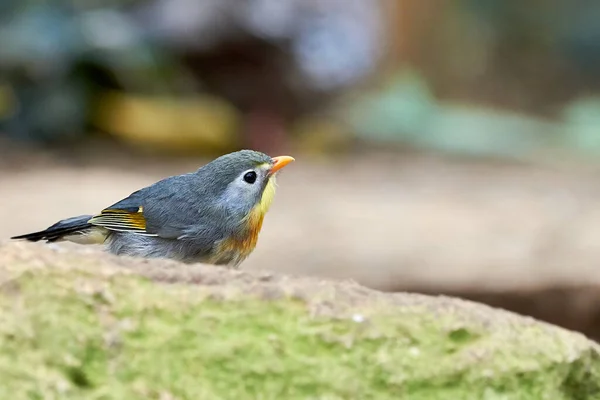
(171, 209)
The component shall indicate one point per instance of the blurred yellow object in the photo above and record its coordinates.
(318, 135)
(8, 103)
(202, 124)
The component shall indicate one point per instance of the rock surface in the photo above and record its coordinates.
(84, 324)
(522, 237)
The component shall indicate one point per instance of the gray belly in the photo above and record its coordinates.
(122, 243)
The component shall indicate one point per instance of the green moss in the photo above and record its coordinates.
(67, 334)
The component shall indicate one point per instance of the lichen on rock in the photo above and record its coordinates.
(90, 325)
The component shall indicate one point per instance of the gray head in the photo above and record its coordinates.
(243, 179)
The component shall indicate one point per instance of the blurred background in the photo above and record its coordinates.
(445, 147)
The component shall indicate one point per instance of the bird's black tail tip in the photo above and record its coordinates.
(46, 235)
(32, 237)
(58, 230)
(29, 236)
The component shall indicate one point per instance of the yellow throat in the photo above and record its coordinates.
(267, 196)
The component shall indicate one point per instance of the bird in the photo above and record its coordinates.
(212, 215)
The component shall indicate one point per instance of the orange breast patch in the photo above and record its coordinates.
(244, 243)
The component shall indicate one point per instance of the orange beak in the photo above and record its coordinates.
(280, 162)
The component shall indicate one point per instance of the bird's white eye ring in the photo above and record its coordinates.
(250, 177)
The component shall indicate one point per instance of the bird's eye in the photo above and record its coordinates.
(250, 177)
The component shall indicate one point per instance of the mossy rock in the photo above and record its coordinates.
(87, 325)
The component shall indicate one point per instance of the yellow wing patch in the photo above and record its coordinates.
(121, 220)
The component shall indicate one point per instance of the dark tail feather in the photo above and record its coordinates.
(57, 231)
